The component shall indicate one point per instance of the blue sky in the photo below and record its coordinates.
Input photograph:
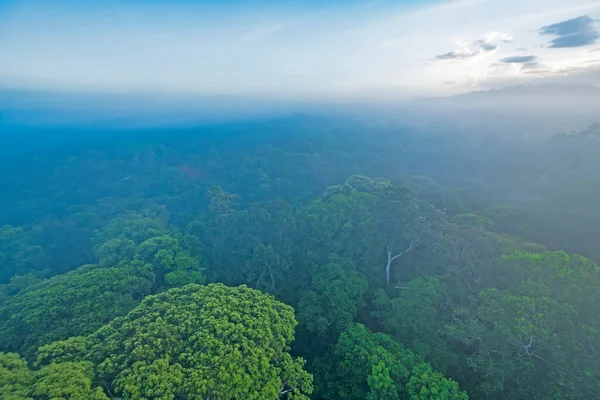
(344, 50)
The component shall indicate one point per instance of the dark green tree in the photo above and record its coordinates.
(18, 256)
(405, 224)
(334, 297)
(366, 365)
(415, 316)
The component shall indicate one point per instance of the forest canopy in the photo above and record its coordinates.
(301, 258)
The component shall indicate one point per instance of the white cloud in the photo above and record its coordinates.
(332, 52)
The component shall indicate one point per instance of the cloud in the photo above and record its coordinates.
(336, 51)
(483, 46)
(575, 32)
(532, 65)
(518, 59)
(475, 47)
(456, 55)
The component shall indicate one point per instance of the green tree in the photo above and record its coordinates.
(18, 256)
(405, 224)
(197, 342)
(75, 303)
(340, 221)
(69, 380)
(15, 377)
(256, 246)
(334, 297)
(173, 266)
(526, 345)
(414, 317)
(136, 227)
(366, 365)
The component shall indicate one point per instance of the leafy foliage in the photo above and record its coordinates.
(73, 304)
(354, 225)
(334, 297)
(370, 365)
(15, 377)
(197, 342)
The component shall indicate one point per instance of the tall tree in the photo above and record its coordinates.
(72, 304)
(334, 297)
(366, 365)
(196, 342)
(405, 223)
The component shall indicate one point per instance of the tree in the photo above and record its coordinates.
(135, 227)
(334, 297)
(405, 223)
(18, 256)
(415, 317)
(339, 221)
(173, 266)
(366, 365)
(114, 251)
(75, 303)
(18, 283)
(221, 205)
(263, 243)
(15, 377)
(197, 342)
(525, 345)
(68, 380)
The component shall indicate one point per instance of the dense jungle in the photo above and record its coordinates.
(299, 257)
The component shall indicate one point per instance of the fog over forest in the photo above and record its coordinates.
(352, 200)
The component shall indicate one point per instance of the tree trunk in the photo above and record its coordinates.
(389, 265)
(413, 245)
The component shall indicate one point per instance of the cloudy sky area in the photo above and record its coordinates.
(344, 50)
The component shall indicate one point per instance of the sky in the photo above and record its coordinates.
(307, 50)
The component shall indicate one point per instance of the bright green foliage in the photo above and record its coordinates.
(198, 342)
(15, 377)
(173, 266)
(69, 380)
(426, 384)
(571, 279)
(545, 323)
(72, 304)
(366, 365)
(334, 297)
(145, 239)
(75, 348)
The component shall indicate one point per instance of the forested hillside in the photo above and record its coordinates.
(299, 258)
